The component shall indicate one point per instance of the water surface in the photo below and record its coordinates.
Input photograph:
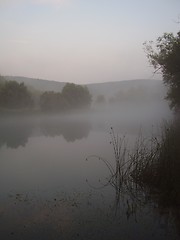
(50, 191)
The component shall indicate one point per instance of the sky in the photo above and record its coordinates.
(82, 41)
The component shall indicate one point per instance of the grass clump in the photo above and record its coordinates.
(153, 165)
(158, 167)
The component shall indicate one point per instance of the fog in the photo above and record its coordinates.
(68, 154)
(88, 142)
(125, 118)
(45, 174)
(36, 149)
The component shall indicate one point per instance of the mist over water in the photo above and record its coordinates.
(88, 144)
(51, 149)
(43, 164)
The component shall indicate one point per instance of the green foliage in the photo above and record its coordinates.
(151, 166)
(14, 95)
(72, 97)
(164, 55)
(51, 101)
(157, 167)
(77, 96)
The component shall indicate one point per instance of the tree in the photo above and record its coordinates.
(73, 96)
(51, 101)
(15, 95)
(77, 96)
(164, 55)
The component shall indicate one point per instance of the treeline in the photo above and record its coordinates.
(72, 97)
(14, 95)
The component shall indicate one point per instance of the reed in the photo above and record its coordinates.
(152, 166)
(158, 168)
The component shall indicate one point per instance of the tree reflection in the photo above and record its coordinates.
(15, 134)
(70, 130)
(143, 179)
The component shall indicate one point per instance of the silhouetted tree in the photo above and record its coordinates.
(73, 96)
(165, 56)
(14, 95)
(51, 101)
(77, 96)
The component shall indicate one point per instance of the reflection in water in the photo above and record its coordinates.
(16, 132)
(135, 195)
(36, 210)
(70, 130)
(127, 191)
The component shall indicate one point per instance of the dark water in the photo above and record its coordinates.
(50, 191)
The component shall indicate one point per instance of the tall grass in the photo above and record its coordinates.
(153, 165)
(158, 168)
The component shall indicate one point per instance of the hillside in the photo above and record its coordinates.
(110, 89)
(153, 88)
(39, 84)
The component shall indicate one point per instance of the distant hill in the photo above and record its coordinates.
(108, 89)
(39, 84)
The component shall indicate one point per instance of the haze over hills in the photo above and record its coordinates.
(38, 84)
(113, 88)
(108, 89)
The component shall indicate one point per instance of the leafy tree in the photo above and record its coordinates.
(164, 55)
(14, 95)
(72, 96)
(51, 101)
(77, 96)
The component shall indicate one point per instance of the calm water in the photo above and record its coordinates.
(50, 191)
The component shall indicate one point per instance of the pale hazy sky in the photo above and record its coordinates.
(82, 41)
